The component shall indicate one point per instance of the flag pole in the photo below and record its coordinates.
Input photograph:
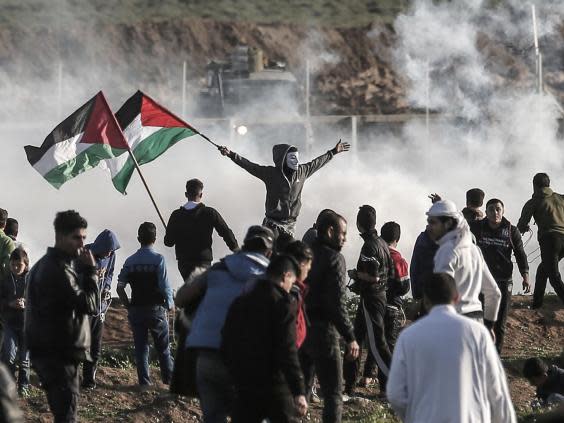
(146, 185)
(134, 161)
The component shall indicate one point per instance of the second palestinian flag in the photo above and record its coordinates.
(84, 139)
(150, 130)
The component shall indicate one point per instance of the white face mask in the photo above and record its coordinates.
(292, 160)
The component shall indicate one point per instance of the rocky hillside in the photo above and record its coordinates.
(353, 66)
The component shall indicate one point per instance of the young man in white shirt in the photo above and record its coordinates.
(445, 367)
(459, 257)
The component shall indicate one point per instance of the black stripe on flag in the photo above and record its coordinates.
(130, 110)
(70, 127)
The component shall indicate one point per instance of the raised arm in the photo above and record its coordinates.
(313, 166)
(254, 169)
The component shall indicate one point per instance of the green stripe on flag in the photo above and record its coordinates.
(83, 161)
(148, 150)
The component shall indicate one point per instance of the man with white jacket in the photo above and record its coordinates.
(445, 367)
(459, 257)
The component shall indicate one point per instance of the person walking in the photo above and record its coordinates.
(58, 303)
(547, 208)
(373, 272)
(325, 305)
(498, 239)
(104, 250)
(190, 229)
(398, 286)
(460, 258)
(7, 245)
(445, 367)
(12, 299)
(151, 298)
(214, 291)
(259, 346)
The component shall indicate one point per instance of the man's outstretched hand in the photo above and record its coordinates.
(224, 150)
(341, 146)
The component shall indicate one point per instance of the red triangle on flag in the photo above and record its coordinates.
(102, 127)
(153, 114)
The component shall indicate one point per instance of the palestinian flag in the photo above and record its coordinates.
(80, 142)
(150, 130)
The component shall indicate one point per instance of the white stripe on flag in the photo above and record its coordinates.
(60, 153)
(134, 133)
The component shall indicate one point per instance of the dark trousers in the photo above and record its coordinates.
(352, 368)
(392, 324)
(506, 288)
(96, 331)
(15, 354)
(154, 319)
(369, 323)
(59, 378)
(320, 354)
(186, 267)
(281, 237)
(215, 386)
(275, 404)
(552, 251)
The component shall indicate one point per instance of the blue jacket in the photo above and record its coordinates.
(422, 264)
(224, 282)
(105, 242)
(145, 271)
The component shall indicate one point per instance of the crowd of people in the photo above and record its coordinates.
(259, 329)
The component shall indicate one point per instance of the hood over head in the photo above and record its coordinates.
(279, 152)
(245, 265)
(106, 241)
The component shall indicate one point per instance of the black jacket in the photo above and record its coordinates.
(422, 265)
(497, 245)
(11, 288)
(283, 193)
(259, 340)
(58, 303)
(375, 260)
(190, 232)
(326, 282)
(553, 385)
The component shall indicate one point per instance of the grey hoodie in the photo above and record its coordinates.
(283, 194)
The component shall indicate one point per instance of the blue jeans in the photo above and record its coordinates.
(15, 353)
(154, 319)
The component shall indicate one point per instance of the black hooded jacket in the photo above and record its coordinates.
(283, 193)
